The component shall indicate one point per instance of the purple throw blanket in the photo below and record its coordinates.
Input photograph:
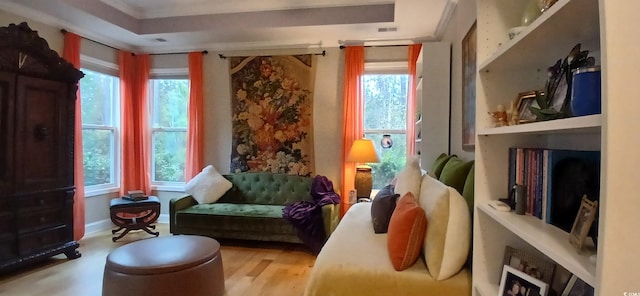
(306, 216)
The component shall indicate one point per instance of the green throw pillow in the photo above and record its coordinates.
(455, 173)
(438, 165)
(467, 191)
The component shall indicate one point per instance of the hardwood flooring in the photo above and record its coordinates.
(250, 268)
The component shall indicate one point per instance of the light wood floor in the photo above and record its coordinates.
(250, 268)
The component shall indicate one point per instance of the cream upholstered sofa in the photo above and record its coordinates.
(355, 260)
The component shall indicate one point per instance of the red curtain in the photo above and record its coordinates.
(353, 109)
(195, 131)
(134, 126)
(71, 53)
(414, 52)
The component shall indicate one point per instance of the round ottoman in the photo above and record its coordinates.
(172, 265)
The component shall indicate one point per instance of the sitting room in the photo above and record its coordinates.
(410, 147)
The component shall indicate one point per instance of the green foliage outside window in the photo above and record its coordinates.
(98, 93)
(385, 112)
(169, 118)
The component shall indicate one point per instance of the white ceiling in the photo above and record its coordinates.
(240, 24)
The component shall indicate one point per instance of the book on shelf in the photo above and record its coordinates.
(555, 180)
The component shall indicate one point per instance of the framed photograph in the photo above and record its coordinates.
(526, 100)
(577, 287)
(582, 224)
(469, 46)
(534, 266)
(517, 283)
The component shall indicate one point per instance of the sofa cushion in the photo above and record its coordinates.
(446, 244)
(267, 188)
(439, 163)
(208, 185)
(382, 208)
(455, 173)
(409, 178)
(407, 229)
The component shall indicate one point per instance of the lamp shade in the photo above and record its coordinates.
(363, 151)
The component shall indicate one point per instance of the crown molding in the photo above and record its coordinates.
(449, 8)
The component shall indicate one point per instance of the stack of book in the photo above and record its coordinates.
(535, 168)
(135, 195)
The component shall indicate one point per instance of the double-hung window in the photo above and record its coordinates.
(100, 95)
(385, 115)
(169, 100)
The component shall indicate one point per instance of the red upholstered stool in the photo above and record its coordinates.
(172, 265)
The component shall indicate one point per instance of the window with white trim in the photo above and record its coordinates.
(100, 95)
(385, 113)
(169, 99)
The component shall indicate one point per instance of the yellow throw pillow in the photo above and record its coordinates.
(446, 244)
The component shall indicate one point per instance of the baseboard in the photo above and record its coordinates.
(163, 219)
(106, 224)
(97, 226)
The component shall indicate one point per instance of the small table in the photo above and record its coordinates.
(134, 215)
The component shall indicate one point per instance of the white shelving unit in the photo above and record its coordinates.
(432, 95)
(506, 68)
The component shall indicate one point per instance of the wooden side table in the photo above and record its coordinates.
(134, 215)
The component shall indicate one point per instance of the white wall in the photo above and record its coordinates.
(463, 17)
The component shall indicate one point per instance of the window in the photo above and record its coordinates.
(385, 113)
(100, 94)
(169, 103)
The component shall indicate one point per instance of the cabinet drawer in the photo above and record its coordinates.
(31, 202)
(32, 242)
(6, 223)
(40, 219)
(8, 247)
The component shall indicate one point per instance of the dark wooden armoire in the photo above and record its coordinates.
(37, 105)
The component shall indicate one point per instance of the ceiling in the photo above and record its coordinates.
(157, 26)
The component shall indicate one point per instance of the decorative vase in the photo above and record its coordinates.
(531, 12)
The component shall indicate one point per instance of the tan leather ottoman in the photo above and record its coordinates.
(172, 265)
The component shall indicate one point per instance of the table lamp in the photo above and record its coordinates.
(362, 151)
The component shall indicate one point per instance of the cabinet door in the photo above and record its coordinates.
(44, 135)
(7, 93)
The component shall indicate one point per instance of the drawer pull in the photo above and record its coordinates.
(42, 219)
(42, 202)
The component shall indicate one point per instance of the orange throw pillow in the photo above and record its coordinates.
(407, 229)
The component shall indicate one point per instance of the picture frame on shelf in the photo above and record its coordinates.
(525, 100)
(577, 287)
(532, 265)
(469, 47)
(517, 283)
(582, 224)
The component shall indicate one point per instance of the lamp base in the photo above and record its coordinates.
(363, 181)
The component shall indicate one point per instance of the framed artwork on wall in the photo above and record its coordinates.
(469, 44)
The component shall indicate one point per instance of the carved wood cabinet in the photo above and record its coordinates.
(37, 105)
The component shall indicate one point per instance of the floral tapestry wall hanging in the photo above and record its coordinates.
(272, 100)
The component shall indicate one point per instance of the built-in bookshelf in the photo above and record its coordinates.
(433, 98)
(508, 67)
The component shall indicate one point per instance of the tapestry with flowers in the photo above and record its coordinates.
(272, 114)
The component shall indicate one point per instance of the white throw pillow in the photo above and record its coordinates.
(446, 245)
(207, 186)
(409, 178)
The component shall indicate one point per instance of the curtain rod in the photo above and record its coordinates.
(323, 53)
(395, 45)
(109, 46)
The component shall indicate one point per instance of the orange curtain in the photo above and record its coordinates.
(135, 136)
(353, 109)
(414, 52)
(71, 53)
(195, 130)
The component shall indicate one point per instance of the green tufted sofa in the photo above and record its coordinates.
(250, 210)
